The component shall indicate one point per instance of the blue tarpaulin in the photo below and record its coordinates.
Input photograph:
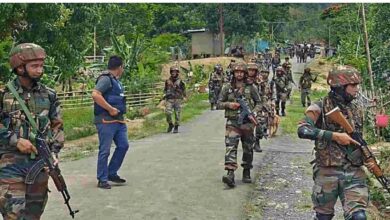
(262, 45)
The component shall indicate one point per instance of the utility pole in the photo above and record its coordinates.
(221, 38)
(94, 44)
(367, 49)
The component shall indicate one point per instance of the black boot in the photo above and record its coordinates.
(212, 107)
(246, 176)
(176, 129)
(228, 179)
(256, 146)
(170, 127)
(283, 112)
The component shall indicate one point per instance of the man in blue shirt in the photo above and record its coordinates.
(109, 110)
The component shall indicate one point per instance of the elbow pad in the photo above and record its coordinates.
(305, 131)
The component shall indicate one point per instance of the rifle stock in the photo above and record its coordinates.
(369, 159)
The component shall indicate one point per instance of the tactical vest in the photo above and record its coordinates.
(281, 83)
(15, 123)
(330, 153)
(216, 80)
(306, 81)
(265, 91)
(174, 89)
(232, 97)
(114, 96)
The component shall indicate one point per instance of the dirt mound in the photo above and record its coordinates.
(321, 67)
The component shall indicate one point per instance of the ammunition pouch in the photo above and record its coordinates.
(355, 157)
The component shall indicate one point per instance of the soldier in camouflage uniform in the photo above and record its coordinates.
(265, 91)
(305, 86)
(215, 85)
(235, 131)
(19, 200)
(281, 83)
(287, 69)
(253, 72)
(337, 170)
(174, 93)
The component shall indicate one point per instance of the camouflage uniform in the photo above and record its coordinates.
(281, 82)
(235, 131)
(174, 92)
(287, 69)
(19, 200)
(305, 85)
(337, 170)
(215, 85)
(266, 94)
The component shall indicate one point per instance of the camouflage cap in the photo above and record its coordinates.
(240, 67)
(174, 68)
(24, 53)
(253, 66)
(343, 75)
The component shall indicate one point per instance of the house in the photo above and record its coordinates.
(204, 43)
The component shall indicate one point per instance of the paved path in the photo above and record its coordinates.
(170, 176)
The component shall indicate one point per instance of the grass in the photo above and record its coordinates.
(295, 111)
(79, 124)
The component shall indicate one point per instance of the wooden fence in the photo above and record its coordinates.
(83, 99)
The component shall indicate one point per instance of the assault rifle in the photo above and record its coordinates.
(46, 158)
(245, 111)
(369, 159)
(54, 171)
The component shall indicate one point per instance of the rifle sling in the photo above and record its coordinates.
(23, 106)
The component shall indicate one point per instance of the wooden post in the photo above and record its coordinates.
(367, 48)
(221, 30)
(94, 44)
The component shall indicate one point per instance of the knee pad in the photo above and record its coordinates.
(359, 215)
(320, 216)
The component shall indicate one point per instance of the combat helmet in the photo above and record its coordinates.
(24, 53)
(240, 67)
(252, 66)
(343, 75)
(218, 67)
(174, 68)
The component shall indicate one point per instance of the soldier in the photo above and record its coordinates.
(337, 170)
(174, 93)
(253, 72)
(287, 69)
(281, 82)
(305, 85)
(19, 200)
(275, 63)
(229, 71)
(299, 53)
(215, 85)
(305, 52)
(265, 91)
(267, 58)
(235, 131)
